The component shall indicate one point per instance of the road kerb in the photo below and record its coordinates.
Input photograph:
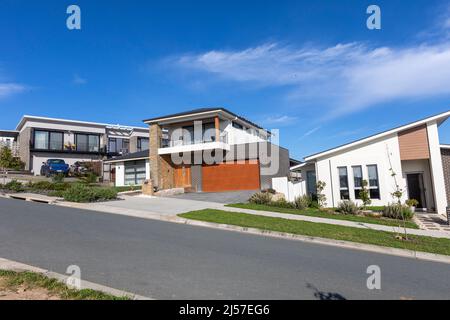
(10, 265)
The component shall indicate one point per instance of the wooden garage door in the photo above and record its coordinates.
(231, 176)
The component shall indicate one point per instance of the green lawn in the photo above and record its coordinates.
(380, 238)
(11, 280)
(323, 214)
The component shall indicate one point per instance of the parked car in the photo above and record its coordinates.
(54, 166)
(78, 168)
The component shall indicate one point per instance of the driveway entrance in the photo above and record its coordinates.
(218, 197)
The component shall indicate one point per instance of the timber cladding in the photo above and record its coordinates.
(413, 143)
(231, 176)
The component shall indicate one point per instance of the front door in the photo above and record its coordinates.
(182, 176)
(416, 189)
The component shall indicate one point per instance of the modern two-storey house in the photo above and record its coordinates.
(206, 150)
(41, 138)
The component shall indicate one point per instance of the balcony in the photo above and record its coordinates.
(189, 145)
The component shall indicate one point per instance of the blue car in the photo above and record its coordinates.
(54, 166)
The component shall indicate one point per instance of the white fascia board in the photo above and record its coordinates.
(438, 117)
(125, 160)
(25, 118)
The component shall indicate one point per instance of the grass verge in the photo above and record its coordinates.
(11, 280)
(380, 238)
(324, 214)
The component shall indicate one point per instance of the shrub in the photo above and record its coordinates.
(364, 194)
(282, 203)
(269, 190)
(261, 198)
(411, 202)
(15, 186)
(314, 204)
(302, 202)
(321, 197)
(397, 211)
(58, 178)
(47, 186)
(89, 178)
(83, 193)
(7, 160)
(348, 207)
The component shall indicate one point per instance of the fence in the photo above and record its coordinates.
(290, 189)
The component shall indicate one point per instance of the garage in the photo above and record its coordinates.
(231, 176)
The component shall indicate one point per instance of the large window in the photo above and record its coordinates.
(87, 142)
(48, 140)
(374, 187)
(357, 180)
(56, 141)
(343, 183)
(134, 172)
(142, 144)
(238, 126)
(41, 140)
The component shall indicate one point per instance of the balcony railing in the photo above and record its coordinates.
(166, 143)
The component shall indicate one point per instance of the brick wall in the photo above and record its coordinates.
(24, 147)
(445, 153)
(161, 170)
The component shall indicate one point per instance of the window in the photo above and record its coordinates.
(142, 144)
(209, 132)
(238, 126)
(87, 142)
(357, 180)
(56, 141)
(374, 187)
(311, 183)
(135, 172)
(41, 139)
(343, 183)
(112, 145)
(125, 146)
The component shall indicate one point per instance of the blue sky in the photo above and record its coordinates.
(310, 68)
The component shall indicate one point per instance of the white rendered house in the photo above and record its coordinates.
(411, 151)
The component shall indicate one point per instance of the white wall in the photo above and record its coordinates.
(239, 136)
(291, 190)
(367, 154)
(120, 174)
(436, 168)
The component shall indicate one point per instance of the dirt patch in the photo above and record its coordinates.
(23, 292)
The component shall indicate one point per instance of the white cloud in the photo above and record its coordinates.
(309, 132)
(279, 120)
(78, 80)
(8, 89)
(343, 78)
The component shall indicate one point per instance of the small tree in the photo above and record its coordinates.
(364, 194)
(8, 161)
(321, 198)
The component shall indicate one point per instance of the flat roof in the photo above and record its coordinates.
(200, 111)
(98, 124)
(140, 155)
(440, 116)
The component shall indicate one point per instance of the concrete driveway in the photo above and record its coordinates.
(160, 205)
(218, 197)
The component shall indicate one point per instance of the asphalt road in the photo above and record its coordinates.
(165, 260)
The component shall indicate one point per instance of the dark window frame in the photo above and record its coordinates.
(344, 192)
(139, 143)
(87, 136)
(355, 188)
(48, 140)
(374, 190)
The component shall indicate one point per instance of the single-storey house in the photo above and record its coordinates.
(409, 156)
